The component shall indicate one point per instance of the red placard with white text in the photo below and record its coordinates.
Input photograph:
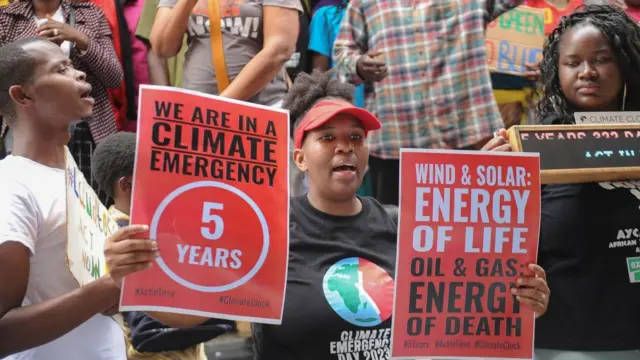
(211, 181)
(468, 227)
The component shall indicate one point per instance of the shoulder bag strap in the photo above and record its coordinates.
(217, 46)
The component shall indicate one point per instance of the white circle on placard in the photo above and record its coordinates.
(200, 184)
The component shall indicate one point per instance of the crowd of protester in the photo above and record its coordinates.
(415, 79)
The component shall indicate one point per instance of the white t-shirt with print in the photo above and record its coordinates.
(33, 213)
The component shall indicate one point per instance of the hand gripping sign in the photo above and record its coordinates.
(211, 181)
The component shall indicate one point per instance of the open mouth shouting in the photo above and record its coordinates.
(345, 171)
(86, 94)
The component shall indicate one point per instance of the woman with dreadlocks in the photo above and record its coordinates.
(337, 235)
(589, 232)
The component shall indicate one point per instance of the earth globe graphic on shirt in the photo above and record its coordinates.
(359, 291)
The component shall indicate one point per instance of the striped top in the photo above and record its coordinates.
(438, 92)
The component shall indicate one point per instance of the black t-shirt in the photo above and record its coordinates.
(339, 296)
(589, 237)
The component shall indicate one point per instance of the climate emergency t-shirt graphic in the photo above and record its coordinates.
(361, 293)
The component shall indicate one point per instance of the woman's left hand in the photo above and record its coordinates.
(498, 143)
(58, 32)
(533, 291)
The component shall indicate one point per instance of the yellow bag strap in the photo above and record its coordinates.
(217, 46)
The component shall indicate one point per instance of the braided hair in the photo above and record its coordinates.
(624, 36)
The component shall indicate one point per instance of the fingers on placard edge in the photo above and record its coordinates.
(141, 257)
(128, 231)
(538, 270)
(531, 303)
(131, 246)
(493, 143)
(537, 284)
(130, 269)
(532, 293)
(143, 245)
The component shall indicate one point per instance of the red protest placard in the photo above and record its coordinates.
(211, 181)
(468, 227)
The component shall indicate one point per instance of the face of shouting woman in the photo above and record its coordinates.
(334, 156)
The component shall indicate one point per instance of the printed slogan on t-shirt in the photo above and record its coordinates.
(211, 181)
(468, 228)
(233, 20)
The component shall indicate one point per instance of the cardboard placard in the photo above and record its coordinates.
(514, 39)
(554, 10)
(581, 153)
(607, 117)
(88, 226)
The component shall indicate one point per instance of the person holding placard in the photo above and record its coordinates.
(44, 315)
(589, 231)
(337, 236)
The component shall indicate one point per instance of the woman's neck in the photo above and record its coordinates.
(44, 8)
(616, 105)
(349, 207)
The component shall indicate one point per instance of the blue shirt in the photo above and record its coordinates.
(323, 31)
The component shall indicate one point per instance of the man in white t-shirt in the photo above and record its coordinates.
(44, 315)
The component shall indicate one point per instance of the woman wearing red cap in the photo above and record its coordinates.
(340, 242)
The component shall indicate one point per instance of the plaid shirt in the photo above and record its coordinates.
(99, 61)
(437, 93)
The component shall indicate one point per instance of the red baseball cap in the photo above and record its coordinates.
(325, 110)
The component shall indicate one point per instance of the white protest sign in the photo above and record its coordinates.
(607, 117)
(88, 226)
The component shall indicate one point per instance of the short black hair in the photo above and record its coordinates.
(17, 67)
(624, 36)
(113, 158)
(308, 89)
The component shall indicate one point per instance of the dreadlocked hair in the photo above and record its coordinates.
(308, 89)
(624, 36)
